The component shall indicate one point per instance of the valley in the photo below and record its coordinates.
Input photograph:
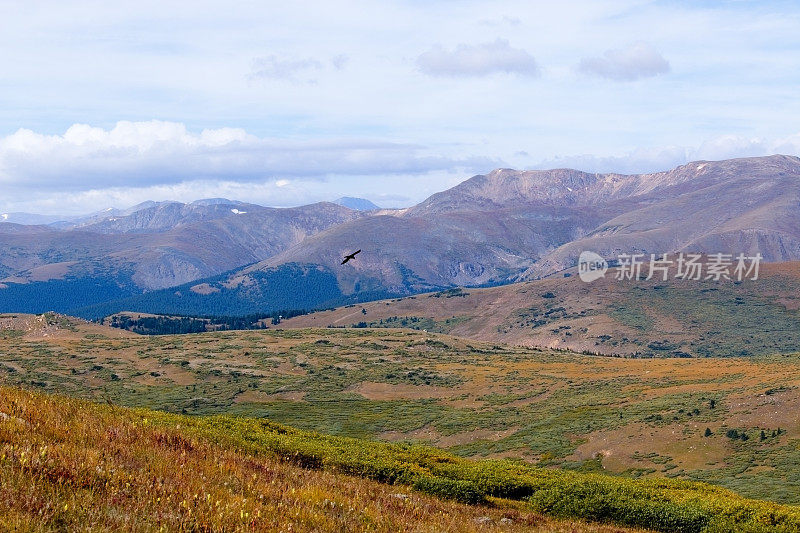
(731, 422)
(400, 267)
(461, 348)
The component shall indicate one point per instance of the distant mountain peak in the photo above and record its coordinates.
(359, 204)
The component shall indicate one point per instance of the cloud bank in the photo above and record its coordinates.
(341, 89)
(636, 61)
(88, 168)
(478, 60)
(162, 153)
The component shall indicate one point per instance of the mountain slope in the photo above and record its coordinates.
(628, 318)
(510, 225)
(359, 204)
(740, 206)
(160, 245)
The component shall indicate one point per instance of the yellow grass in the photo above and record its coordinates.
(71, 465)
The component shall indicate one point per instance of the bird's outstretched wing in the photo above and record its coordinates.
(350, 256)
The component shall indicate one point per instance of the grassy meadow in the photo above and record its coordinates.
(732, 422)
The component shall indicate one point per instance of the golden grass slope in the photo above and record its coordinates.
(70, 465)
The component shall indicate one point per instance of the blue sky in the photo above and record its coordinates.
(107, 103)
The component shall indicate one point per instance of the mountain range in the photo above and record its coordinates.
(154, 246)
(223, 257)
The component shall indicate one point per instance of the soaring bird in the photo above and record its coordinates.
(349, 257)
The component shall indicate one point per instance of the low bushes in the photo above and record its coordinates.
(660, 504)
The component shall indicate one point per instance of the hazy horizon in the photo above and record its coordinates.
(72, 215)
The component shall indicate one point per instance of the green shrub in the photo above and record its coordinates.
(462, 491)
(657, 504)
(602, 502)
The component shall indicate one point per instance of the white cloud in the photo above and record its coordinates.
(478, 60)
(633, 162)
(339, 61)
(730, 146)
(89, 168)
(136, 161)
(502, 21)
(269, 192)
(638, 60)
(273, 67)
(156, 152)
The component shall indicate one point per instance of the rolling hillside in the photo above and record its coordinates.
(731, 422)
(676, 318)
(73, 465)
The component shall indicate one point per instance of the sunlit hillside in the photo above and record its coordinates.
(69, 464)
